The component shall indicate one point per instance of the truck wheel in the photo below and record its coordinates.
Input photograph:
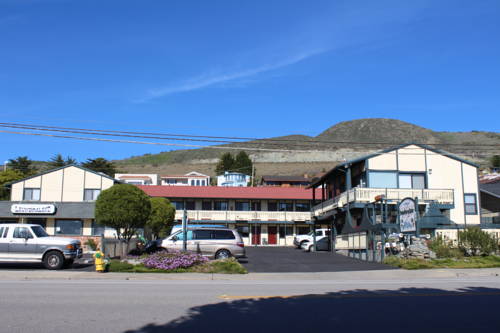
(53, 260)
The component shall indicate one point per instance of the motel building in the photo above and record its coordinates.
(369, 198)
(262, 215)
(61, 200)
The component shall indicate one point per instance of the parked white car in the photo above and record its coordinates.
(322, 244)
(301, 239)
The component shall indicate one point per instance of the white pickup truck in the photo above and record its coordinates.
(301, 239)
(25, 243)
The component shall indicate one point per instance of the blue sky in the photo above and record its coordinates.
(235, 68)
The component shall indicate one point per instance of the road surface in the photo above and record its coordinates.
(450, 304)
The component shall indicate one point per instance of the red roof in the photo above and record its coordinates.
(215, 192)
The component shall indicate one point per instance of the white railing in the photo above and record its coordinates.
(364, 194)
(216, 215)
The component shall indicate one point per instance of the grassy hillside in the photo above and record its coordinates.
(362, 135)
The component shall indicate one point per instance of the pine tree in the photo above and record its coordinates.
(226, 163)
(243, 163)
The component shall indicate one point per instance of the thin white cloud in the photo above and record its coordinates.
(204, 81)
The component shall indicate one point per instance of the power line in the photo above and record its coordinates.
(197, 146)
(212, 138)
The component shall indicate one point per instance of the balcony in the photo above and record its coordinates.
(367, 195)
(234, 216)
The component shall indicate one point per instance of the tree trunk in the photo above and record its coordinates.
(124, 248)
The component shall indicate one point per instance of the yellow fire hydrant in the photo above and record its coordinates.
(99, 261)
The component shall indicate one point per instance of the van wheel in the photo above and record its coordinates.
(53, 260)
(222, 254)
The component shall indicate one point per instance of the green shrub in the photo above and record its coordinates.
(444, 249)
(222, 266)
(475, 242)
(91, 244)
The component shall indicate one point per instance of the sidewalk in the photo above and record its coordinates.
(373, 275)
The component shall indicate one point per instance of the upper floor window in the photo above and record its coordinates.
(31, 194)
(302, 206)
(242, 205)
(171, 181)
(470, 201)
(206, 205)
(190, 205)
(192, 182)
(272, 206)
(220, 205)
(203, 182)
(179, 205)
(91, 194)
(412, 180)
(383, 179)
(256, 205)
(285, 206)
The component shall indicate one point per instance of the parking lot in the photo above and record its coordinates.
(289, 259)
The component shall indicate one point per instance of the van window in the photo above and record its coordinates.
(5, 232)
(223, 234)
(1, 231)
(180, 235)
(202, 234)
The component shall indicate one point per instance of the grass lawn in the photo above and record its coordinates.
(225, 266)
(467, 262)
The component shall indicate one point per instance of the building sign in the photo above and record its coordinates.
(407, 215)
(33, 209)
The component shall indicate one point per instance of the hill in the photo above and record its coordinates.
(305, 154)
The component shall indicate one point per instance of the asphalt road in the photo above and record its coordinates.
(289, 259)
(278, 305)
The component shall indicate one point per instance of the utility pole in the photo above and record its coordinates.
(184, 230)
(253, 170)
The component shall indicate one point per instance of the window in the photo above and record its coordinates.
(470, 204)
(31, 194)
(192, 182)
(242, 205)
(22, 232)
(285, 206)
(302, 207)
(256, 205)
(39, 232)
(1, 231)
(383, 179)
(223, 234)
(69, 227)
(190, 205)
(197, 182)
(285, 230)
(272, 206)
(171, 181)
(179, 205)
(91, 194)
(97, 229)
(189, 233)
(243, 231)
(203, 182)
(206, 205)
(220, 205)
(202, 234)
(409, 180)
(40, 222)
(303, 230)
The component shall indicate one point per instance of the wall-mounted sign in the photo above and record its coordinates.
(33, 209)
(407, 215)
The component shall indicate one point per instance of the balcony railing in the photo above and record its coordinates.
(215, 215)
(367, 195)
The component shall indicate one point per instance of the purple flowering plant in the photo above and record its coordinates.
(173, 260)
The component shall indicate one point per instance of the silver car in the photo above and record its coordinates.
(29, 243)
(218, 243)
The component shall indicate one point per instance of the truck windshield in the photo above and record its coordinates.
(39, 232)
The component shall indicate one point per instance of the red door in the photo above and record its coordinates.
(256, 235)
(272, 235)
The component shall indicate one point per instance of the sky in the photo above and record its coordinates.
(242, 68)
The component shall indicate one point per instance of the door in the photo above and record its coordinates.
(272, 235)
(22, 244)
(202, 242)
(255, 234)
(4, 244)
